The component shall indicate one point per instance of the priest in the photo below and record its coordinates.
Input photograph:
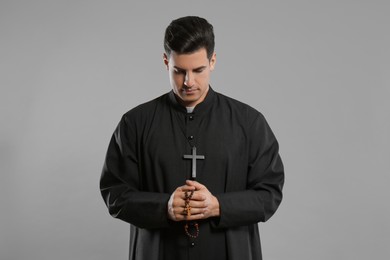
(193, 171)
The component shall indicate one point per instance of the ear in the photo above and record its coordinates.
(213, 60)
(166, 60)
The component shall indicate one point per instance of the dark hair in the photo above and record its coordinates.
(189, 34)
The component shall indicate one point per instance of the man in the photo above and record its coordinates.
(192, 171)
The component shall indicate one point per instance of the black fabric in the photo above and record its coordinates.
(242, 168)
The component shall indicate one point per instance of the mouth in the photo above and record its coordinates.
(188, 91)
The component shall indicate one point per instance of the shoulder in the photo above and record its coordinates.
(239, 108)
(252, 120)
(146, 109)
(142, 114)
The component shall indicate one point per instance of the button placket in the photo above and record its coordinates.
(190, 129)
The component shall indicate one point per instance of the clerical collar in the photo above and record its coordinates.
(199, 108)
(190, 109)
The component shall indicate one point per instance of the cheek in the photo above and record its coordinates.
(203, 79)
(177, 79)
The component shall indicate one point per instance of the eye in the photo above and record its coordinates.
(177, 71)
(199, 70)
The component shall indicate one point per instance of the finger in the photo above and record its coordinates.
(196, 184)
(194, 217)
(186, 188)
(190, 218)
(196, 211)
(180, 199)
(193, 209)
(197, 204)
(187, 194)
(181, 211)
(180, 192)
(198, 196)
(179, 202)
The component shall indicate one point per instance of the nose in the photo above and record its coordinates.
(189, 80)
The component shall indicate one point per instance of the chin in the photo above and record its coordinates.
(189, 102)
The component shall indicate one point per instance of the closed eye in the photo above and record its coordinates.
(179, 71)
(199, 70)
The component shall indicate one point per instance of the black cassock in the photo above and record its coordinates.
(145, 164)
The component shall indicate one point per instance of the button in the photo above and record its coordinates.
(191, 137)
(191, 118)
(192, 244)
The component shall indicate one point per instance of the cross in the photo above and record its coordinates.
(194, 157)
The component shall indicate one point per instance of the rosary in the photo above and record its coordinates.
(188, 196)
(187, 211)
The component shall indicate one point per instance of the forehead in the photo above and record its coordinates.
(189, 60)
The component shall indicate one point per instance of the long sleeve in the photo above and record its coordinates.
(264, 182)
(120, 182)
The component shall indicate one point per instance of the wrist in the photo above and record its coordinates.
(216, 210)
(171, 213)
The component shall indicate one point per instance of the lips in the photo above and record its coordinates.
(189, 91)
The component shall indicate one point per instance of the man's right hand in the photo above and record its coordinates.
(177, 203)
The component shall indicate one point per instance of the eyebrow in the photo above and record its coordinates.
(198, 68)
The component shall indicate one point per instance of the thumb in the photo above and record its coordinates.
(196, 184)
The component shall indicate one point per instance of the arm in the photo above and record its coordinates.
(120, 183)
(265, 179)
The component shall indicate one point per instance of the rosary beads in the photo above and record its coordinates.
(187, 211)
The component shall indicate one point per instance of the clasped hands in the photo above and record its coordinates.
(201, 205)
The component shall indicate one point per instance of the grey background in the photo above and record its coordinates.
(318, 71)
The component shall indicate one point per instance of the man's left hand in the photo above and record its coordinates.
(203, 202)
